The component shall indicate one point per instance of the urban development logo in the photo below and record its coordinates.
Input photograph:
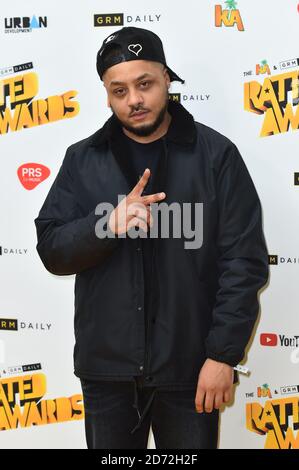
(24, 24)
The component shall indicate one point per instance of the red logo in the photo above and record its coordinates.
(31, 174)
(268, 339)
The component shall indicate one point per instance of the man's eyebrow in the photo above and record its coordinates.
(116, 82)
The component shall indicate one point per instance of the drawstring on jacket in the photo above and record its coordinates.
(136, 404)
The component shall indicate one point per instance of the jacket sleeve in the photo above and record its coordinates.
(242, 262)
(66, 242)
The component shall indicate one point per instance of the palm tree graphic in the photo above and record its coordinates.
(231, 5)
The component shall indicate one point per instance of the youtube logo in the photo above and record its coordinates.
(268, 339)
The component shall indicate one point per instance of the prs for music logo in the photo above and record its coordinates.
(32, 174)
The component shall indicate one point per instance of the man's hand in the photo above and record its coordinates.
(214, 387)
(134, 209)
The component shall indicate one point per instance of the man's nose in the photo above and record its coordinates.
(134, 98)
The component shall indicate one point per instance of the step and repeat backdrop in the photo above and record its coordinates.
(240, 63)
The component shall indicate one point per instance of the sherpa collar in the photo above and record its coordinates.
(181, 129)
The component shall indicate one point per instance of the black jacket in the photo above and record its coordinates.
(204, 301)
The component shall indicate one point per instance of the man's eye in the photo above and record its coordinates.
(144, 83)
(119, 91)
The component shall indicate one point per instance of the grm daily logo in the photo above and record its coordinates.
(120, 19)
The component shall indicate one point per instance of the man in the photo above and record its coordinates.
(171, 319)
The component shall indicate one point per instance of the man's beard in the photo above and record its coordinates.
(146, 129)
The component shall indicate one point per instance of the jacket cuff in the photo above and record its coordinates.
(231, 361)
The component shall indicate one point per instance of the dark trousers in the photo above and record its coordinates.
(118, 415)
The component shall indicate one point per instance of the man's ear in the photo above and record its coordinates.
(108, 101)
(167, 77)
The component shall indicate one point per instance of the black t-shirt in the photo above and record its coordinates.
(145, 156)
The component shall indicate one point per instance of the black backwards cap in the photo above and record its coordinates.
(132, 44)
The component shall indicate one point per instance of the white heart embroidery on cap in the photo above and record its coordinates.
(131, 48)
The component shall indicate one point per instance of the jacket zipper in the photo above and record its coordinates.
(150, 310)
(149, 316)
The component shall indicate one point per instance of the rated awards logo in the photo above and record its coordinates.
(22, 404)
(19, 110)
(277, 420)
(277, 100)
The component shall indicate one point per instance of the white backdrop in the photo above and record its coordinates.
(36, 307)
